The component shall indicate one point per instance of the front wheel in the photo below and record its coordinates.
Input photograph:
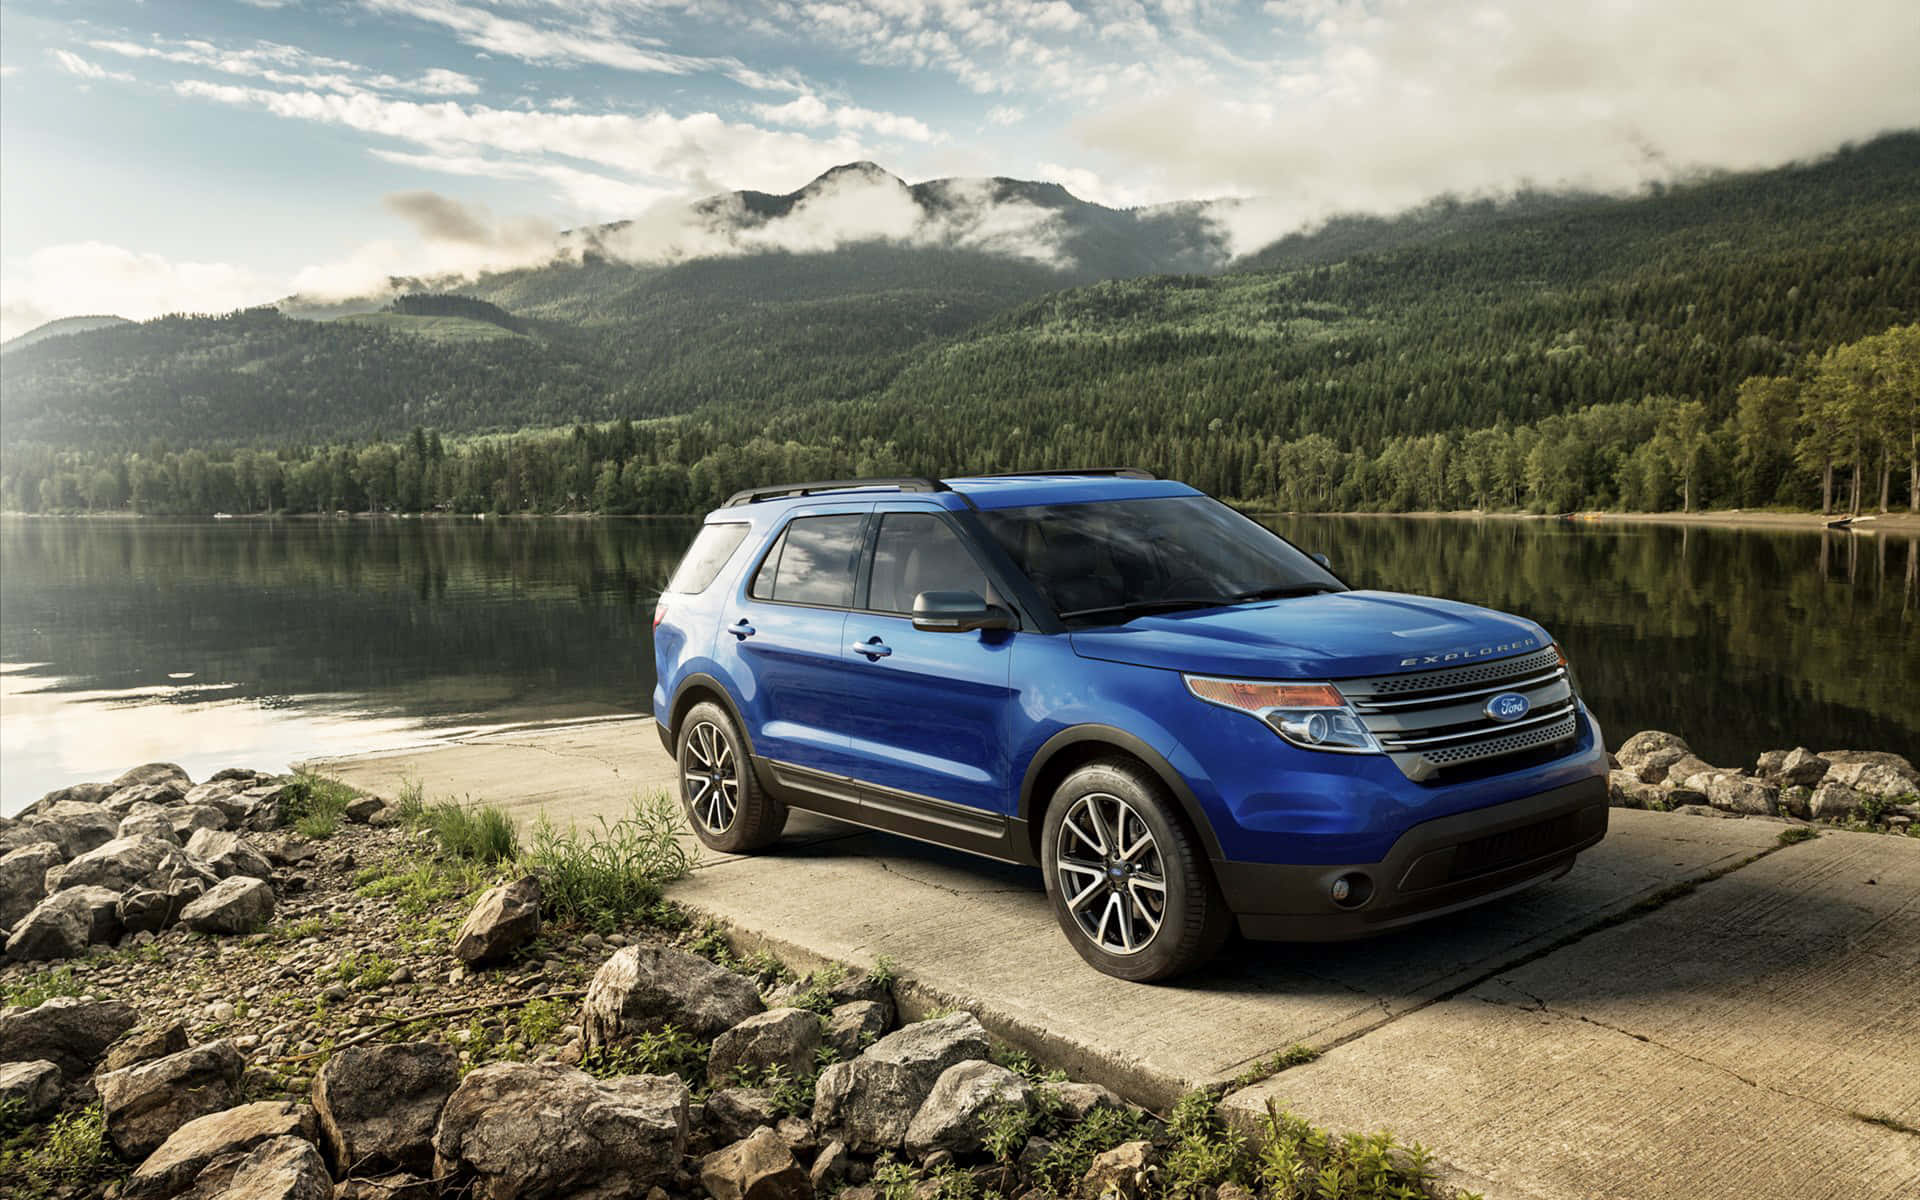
(1129, 884)
(725, 805)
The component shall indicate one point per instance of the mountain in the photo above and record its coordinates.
(59, 328)
(925, 350)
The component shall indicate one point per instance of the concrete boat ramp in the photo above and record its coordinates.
(1695, 1011)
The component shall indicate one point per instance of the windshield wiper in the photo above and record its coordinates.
(1284, 593)
(1142, 607)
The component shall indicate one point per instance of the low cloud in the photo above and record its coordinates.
(809, 110)
(73, 64)
(1400, 101)
(95, 278)
(454, 243)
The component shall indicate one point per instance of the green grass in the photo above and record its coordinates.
(613, 874)
(667, 1051)
(481, 833)
(44, 985)
(424, 887)
(1295, 1055)
(68, 1152)
(1796, 833)
(316, 804)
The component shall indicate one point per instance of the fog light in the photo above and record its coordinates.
(1352, 890)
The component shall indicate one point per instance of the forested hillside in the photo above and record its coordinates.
(1556, 353)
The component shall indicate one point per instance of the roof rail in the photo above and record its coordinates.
(1117, 472)
(904, 483)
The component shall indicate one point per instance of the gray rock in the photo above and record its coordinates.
(173, 1167)
(1738, 793)
(829, 1166)
(397, 1186)
(1688, 766)
(23, 879)
(1802, 768)
(261, 807)
(1770, 762)
(1703, 810)
(74, 826)
(163, 794)
(285, 1168)
(56, 928)
(1874, 778)
(289, 849)
(1797, 802)
(954, 1115)
(733, 1113)
(67, 1031)
(228, 854)
(145, 1044)
(870, 1101)
(241, 904)
(101, 906)
(128, 862)
(1126, 1171)
(1654, 766)
(190, 818)
(506, 918)
(144, 1104)
(529, 1131)
(642, 988)
(758, 1167)
(1638, 748)
(82, 793)
(154, 772)
(1625, 790)
(360, 809)
(1898, 763)
(853, 1026)
(30, 1090)
(1078, 1101)
(1832, 801)
(145, 910)
(787, 1038)
(378, 1105)
(147, 820)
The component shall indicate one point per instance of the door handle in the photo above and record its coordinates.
(873, 648)
(741, 629)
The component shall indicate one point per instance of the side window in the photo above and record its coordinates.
(703, 560)
(919, 552)
(814, 561)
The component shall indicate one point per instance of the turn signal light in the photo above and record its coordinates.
(1256, 698)
(659, 611)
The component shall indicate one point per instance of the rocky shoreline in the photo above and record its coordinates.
(250, 988)
(202, 1002)
(1868, 790)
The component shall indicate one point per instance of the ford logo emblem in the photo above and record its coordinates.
(1508, 706)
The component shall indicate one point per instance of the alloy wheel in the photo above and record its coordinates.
(1111, 873)
(712, 778)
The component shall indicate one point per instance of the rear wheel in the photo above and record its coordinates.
(1129, 884)
(725, 805)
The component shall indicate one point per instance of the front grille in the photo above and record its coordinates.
(1433, 721)
(1515, 846)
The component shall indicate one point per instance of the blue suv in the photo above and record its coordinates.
(1182, 719)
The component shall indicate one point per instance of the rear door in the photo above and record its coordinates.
(784, 634)
(927, 717)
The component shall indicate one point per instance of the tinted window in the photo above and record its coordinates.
(703, 560)
(1115, 559)
(813, 562)
(919, 552)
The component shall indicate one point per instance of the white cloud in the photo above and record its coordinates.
(289, 66)
(73, 64)
(809, 110)
(1006, 114)
(1401, 100)
(699, 151)
(88, 278)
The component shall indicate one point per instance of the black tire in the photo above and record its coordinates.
(1192, 918)
(724, 802)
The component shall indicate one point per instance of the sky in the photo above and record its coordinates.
(170, 156)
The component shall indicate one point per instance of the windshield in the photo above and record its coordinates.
(1117, 559)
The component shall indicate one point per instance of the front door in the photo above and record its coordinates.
(927, 715)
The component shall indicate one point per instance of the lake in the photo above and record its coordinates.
(259, 642)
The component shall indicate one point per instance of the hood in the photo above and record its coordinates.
(1330, 636)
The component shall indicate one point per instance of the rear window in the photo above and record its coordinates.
(814, 562)
(701, 564)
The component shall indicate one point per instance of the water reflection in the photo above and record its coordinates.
(259, 642)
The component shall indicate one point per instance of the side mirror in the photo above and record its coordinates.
(1322, 559)
(957, 612)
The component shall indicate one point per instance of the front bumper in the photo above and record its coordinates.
(1436, 867)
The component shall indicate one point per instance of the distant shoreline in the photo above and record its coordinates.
(1806, 522)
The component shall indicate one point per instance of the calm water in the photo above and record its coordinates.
(215, 643)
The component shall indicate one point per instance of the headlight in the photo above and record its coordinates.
(1573, 681)
(1314, 716)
